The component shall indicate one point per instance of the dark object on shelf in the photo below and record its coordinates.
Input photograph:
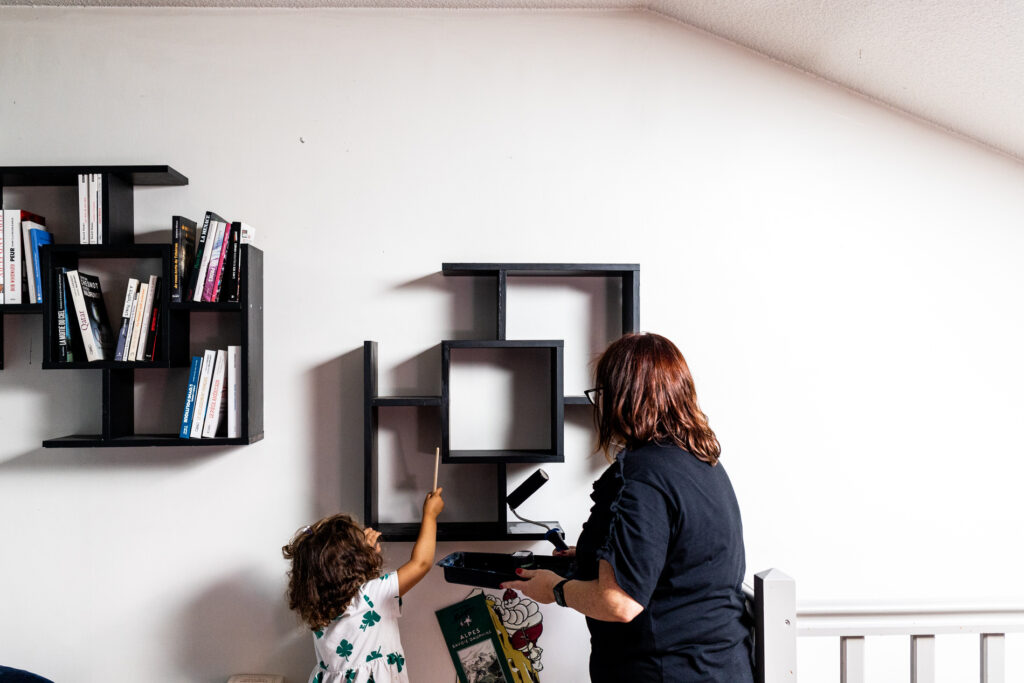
(117, 235)
(529, 487)
(490, 570)
(500, 529)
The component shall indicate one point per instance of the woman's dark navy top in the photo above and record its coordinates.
(669, 526)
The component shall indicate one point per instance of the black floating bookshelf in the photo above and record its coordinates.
(498, 529)
(117, 234)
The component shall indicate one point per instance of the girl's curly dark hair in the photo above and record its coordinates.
(330, 561)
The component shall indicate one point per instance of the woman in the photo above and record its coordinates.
(660, 561)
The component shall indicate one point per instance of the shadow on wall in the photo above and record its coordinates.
(241, 624)
(336, 423)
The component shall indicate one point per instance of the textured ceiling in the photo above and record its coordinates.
(956, 64)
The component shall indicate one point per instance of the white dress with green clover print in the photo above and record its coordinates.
(363, 644)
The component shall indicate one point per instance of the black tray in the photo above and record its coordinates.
(490, 570)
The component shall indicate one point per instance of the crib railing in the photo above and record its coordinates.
(778, 623)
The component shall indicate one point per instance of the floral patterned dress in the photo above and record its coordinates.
(363, 644)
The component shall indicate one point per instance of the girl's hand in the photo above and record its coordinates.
(571, 552)
(433, 504)
(372, 537)
(538, 584)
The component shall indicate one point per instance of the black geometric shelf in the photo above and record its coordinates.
(500, 529)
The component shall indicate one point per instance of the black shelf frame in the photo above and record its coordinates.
(500, 529)
(118, 242)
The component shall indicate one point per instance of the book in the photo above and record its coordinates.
(96, 229)
(28, 268)
(94, 207)
(90, 315)
(3, 259)
(234, 395)
(137, 309)
(202, 394)
(154, 325)
(38, 238)
(190, 397)
(147, 313)
(83, 208)
(471, 634)
(13, 257)
(62, 327)
(216, 405)
(228, 284)
(198, 265)
(215, 245)
(183, 250)
(126, 318)
(72, 341)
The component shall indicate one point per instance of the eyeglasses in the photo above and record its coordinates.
(593, 395)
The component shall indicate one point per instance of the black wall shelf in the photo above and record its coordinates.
(118, 380)
(499, 529)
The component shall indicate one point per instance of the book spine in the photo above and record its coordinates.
(139, 306)
(190, 397)
(93, 208)
(40, 238)
(147, 313)
(83, 208)
(30, 273)
(234, 384)
(216, 404)
(82, 317)
(62, 328)
(230, 278)
(201, 255)
(202, 394)
(175, 257)
(3, 261)
(98, 197)
(215, 261)
(126, 312)
(154, 325)
(69, 339)
(223, 263)
(12, 233)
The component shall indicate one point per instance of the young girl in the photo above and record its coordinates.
(336, 586)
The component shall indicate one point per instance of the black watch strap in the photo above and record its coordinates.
(560, 592)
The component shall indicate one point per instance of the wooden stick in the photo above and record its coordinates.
(437, 461)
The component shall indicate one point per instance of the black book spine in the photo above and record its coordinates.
(62, 329)
(193, 279)
(230, 290)
(176, 258)
(154, 325)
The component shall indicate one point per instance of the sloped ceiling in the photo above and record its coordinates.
(958, 65)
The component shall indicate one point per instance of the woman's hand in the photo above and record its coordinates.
(433, 504)
(571, 552)
(537, 584)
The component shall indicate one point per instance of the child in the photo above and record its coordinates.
(336, 586)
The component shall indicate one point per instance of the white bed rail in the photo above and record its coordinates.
(778, 623)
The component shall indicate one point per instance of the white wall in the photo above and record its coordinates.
(843, 280)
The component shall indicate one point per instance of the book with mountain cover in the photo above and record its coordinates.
(469, 630)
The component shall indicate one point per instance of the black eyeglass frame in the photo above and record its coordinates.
(591, 393)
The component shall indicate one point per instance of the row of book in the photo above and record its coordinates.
(22, 235)
(207, 267)
(213, 405)
(90, 208)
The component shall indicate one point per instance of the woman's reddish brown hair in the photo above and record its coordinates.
(647, 395)
(330, 561)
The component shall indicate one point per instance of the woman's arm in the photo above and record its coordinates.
(422, 558)
(600, 599)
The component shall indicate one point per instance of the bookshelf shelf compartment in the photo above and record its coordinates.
(117, 237)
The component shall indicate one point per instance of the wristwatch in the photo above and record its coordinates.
(560, 592)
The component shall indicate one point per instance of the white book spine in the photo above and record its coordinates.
(30, 268)
(82, 317)
(140, 303)
(147, 313)
(234, 385)
(93, 208)
(215, 405)
(247, 234)
(205, 264)
(202, 394)
(98, 198)
(209, 284)
(126, 317)
(83, 208)
(131, 321)
(12, 256)
(3, 261)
